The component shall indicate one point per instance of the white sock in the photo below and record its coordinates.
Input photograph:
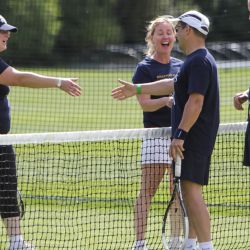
(15, 240)
(140, 242)
(190, 244)
(206, 245)
(139, 245)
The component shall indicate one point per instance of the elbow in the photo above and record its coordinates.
(19, 79)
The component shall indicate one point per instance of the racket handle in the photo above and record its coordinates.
(177, 172)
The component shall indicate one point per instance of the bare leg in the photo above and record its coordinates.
(16, 239)
(200, 225)
(152, 175)
(12, 226)
(191, 233)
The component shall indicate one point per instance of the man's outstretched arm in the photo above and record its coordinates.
(161, 87)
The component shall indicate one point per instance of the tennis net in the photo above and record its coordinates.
(79, 189)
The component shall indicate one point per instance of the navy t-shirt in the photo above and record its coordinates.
(4, 103)
(198, 74)
(149, 70)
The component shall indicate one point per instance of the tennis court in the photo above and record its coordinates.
(80, 194)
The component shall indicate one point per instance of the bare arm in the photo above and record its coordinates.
(191, 111)
(13, 77)
(151, 105)
(190, 115)
(240, 98)
(161, 87)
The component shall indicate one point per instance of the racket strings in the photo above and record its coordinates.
(175, 226)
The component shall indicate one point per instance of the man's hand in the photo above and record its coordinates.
(176, 148)
(125, 91)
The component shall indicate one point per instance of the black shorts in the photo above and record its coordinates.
(246, 158)
(8, 183)
(195, 167)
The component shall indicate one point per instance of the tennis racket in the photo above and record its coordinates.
(20, 204)
(175, 225)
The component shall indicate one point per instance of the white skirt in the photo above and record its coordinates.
(156, 151)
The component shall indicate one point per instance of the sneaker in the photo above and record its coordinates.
(138, 246)
(22, 245)
(175, 244)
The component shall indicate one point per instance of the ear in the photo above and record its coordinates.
(189, 30)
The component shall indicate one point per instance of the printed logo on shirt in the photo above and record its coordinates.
(166, 76)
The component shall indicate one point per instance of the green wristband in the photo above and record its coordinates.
(138, 89)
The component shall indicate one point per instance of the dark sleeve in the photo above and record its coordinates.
(3, 65)
(199, 77)
(141, 75)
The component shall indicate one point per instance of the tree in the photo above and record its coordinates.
(229, 19)
(86, 26)
(38, 26)
(133, 15)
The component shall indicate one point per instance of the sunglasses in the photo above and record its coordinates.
(180, 26)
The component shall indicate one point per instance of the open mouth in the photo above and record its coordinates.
(165, 44)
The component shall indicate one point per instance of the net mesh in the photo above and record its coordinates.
(79, 189)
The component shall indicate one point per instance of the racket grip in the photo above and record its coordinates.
(177, 166)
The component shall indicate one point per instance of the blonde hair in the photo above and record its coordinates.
(151, 29)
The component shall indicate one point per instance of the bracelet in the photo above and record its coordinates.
(59, 83)
(138, 89)
(180, 134)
